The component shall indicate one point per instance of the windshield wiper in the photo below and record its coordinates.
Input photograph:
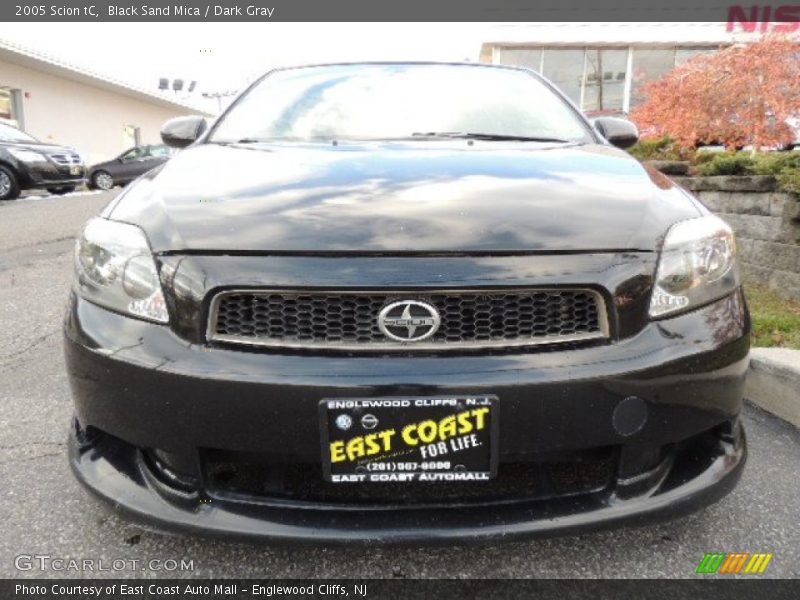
(490, 137)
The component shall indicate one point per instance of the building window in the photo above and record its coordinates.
(522, 57)
(564, 67)
(7, 111)
(684, 54)
(649, 64)
(597, 79)
(604, 79)
(11, 107)
(131, 136)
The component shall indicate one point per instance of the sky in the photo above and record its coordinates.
(226, 56)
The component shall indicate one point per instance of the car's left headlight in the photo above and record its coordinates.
(27, 156)
(697, 265)
(114, 268)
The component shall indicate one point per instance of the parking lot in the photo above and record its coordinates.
(45, 512)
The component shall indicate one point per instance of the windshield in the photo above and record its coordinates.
(12, 134)
(388, 101)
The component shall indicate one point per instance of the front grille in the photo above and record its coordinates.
(349, 320)
(70, 158)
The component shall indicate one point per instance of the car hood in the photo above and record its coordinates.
(37, 147)
(403, 197)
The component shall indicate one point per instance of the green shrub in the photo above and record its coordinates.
(726, 163)
(704, 156)
(789, 180)
(774, 163)
(784, 166)
(663, 148)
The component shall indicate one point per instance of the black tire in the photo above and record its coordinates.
(102, 180)
(58, 191)
(9, 186)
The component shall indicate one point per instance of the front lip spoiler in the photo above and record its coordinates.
(122, 480)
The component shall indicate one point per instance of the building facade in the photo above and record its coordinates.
(97, 116)
(602, 66)
(599, 79)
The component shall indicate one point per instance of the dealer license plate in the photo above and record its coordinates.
(405, 440)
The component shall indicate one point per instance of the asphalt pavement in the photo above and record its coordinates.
(45, 512)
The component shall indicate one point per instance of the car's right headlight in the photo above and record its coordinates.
(114, 268)
(697, 265)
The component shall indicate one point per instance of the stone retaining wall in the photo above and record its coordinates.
(767, 225)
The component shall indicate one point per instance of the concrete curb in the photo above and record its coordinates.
(773, 382)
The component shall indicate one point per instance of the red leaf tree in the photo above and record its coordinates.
(737, 96)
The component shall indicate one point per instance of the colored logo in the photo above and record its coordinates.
(734, 562)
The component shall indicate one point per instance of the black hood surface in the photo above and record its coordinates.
(397, 197)
(36, 147)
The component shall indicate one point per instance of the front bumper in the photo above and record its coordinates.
(47, 174)
(139, 389)
(118, 474)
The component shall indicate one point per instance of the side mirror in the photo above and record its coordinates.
(619, 132)
(182, 131)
